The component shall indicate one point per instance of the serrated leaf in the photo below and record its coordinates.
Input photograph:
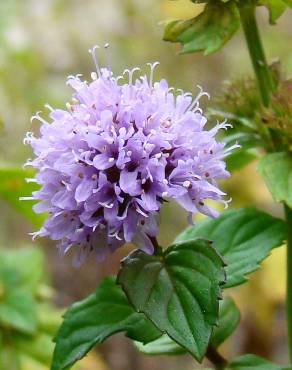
(207, 32)
(13, 186)
(229, 317)
(252, 362)
(92, 320)
(244, 237)
(18, 311)
(276, 170)
(178, 291)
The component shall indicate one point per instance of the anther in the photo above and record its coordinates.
(186, 184)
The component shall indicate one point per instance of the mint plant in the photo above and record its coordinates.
(107, 163)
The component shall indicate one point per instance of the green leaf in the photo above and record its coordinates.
(244, 155)
(229, 317)
(207, 32)
(13, 186)
(288, 3)
(239, 159)
(275, 7)
(161, 346)
(9, 359)
(27, 263)
(178, 291)
(276, 170)
(92, 320)
(244, 237)
(18, 311)
(40, 347)
(252, 362)
(49, 319)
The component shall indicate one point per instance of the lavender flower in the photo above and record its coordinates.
(108, 162)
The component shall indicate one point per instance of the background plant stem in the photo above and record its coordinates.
(264, 78)
(288, 213)
(266, 86)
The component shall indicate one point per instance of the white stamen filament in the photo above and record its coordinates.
(49, 107)
(26, 198)
(93, 54)
(130, 74)
(107, 56)
(152, 67)
(28, 180)
(194, 104)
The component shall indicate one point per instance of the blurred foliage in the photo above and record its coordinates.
(14, 184)
(27, 319)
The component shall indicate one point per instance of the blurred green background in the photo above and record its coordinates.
(41, 42)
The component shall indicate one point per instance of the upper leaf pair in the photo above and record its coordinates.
(220, 19)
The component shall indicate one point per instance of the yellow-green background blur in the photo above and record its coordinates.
(43, 41)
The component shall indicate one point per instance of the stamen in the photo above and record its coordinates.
(130, 74)
(152, 67)
(29, 136)
(198, 97)
(69, 107)
(93, 54)
(93, 76)
(49, 107)
(107, 56)
(26, 198)
(31, 180)
(37, 117)
(186, 184)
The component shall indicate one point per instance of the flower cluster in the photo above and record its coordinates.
(108, 162)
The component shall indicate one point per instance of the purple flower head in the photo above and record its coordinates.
(107, 163)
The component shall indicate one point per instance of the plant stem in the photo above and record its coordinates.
(217, 360)
(265, 81)
(157, 249)
(288, 213)
(249, 24)
(267, 86)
